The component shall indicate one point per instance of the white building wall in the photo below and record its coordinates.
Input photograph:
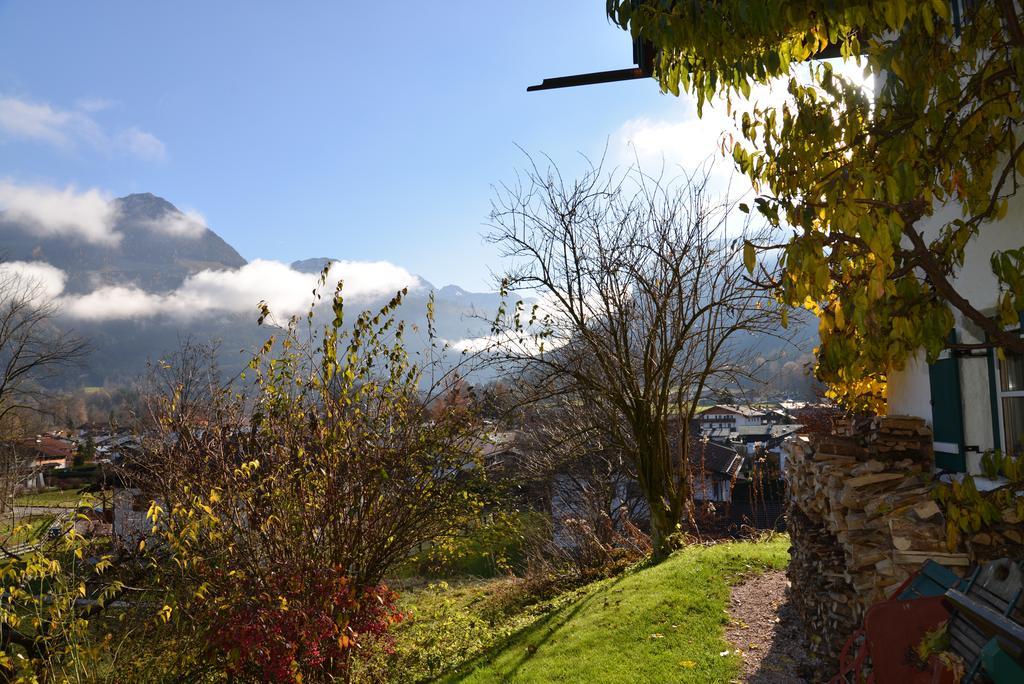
(909, 390)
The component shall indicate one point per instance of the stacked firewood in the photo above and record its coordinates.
(890, 437)
(862, 519)
(820, 591)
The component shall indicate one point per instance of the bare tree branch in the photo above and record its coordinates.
(640, 304)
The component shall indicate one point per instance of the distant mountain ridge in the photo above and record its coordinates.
(159, 262)
(452, 294)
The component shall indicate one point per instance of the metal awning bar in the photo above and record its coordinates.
(644, 54)
(590, 79)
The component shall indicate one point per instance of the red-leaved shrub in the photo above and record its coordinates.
(301, 623)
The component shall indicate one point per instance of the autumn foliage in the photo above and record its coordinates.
(302, 622)
(887, 189)
(282, 500)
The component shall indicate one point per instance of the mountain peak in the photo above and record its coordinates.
(158, 246)
(452, 291)
(145, 205)
(313, 265)
(144, 200)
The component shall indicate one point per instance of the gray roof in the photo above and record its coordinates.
(747, 430)
(716, 458)
(747, 411)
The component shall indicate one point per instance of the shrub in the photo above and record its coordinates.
(285, 503)
(300, 623)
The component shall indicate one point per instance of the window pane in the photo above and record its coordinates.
(1011, 373)
(1013, 422)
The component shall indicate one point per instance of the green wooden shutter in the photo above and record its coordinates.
(947, 412)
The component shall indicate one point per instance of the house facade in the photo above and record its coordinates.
(972, 398)
(51, 451)
(723, 416)
(714, 469)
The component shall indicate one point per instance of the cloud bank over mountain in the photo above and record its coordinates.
(42, 282)
(209, 292)
(66, 213)
(136, 276)
(90, 216)
(100, 259)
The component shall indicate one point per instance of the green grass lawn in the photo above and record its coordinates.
(657, 624)
(28, 529)
(60, 498)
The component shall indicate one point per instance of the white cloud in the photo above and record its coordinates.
(52, 212)
(683, 144)
(37, 121)
(142, 144)
(238, 291)
(687, 141)
(89, 215)
(94, 104)
(37, 278)
(365, 279)
(473, 345)
(188, 224)
(529, 341)
(112, 303)
(519, 345)
(69, 128)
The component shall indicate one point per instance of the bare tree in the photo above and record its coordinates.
(18, 468)
(33, 348)
(640, 304)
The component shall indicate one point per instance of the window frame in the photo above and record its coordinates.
(1001, 394)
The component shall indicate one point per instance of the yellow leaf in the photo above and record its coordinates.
(165, 613)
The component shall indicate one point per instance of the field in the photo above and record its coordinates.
(58, 498)
(651, 624)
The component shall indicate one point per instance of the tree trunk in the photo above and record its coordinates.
(655, 465)
(662, 527)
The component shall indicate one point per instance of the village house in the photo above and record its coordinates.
(714, 470)
(51, 451)
(746, 428)
(110, 444)
(732, 416)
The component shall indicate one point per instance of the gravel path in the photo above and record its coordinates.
(765, 631)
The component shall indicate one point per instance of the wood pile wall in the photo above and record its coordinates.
(861, 518)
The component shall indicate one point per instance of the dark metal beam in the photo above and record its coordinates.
(590, 79)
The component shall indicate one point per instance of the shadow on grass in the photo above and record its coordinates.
(527, 639)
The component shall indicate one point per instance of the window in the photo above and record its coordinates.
(1011, 403)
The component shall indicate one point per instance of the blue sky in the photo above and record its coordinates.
(361, 131)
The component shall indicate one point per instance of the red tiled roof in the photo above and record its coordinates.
(51, 448)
